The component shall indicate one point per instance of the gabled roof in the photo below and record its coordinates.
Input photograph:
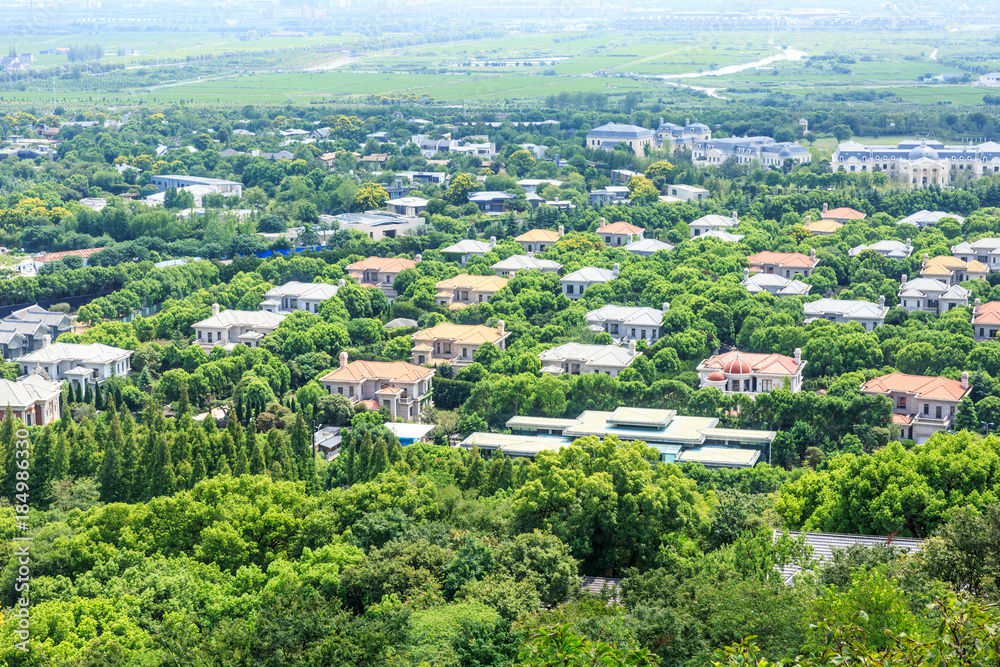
(824, 544)
(387, 264)
(242, 318)
(589, 274)
(714, 220)
(321, 291)
(723, 235)
(757, 282)
(469, 282)
(473, 334)
(845, 307)
(988, 245)
(785, 259)
(468, 246)
(638, 315)
(924, 217)
(647, 246)
(594, 355)
(523, 262)
(53, 256)
(616, 131)
(922, 287)
(536, 235)
(823, 226)
(938, 388)
(844, 213)
(988, 313)
(769, 364)
(889, 248)
(620, 228)
(95, 353)
(28, 391)
(384, 371)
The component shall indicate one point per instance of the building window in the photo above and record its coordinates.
(340, 390)
(937, 412)
(569, 289)
(927, 408)
(901, 403)
(350, 392)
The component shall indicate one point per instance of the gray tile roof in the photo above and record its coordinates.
(824, 544)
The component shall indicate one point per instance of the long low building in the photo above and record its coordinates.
(679, 439)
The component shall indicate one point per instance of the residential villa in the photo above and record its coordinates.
(57, 323)
(890, 249)
(628, 323)
(647, 247)
(455, 343)
(506, 268)
(294, 295)
(582, 359)
(924, 218)
(738, 372)
(574, 284)
(230, 328)
(493, 202)
(380, 272)
(865, 313)
(673, 137)
(687, 192)
(930, 295)
(467, 248)
(409, 206)
(986, 251)
(403, 388)
(609, 135)
(919, 163)
(464, 290)
(34, 264)
(619, 233)
(612, 194)
(30, 329)
(842, 214)
(785, 264)
(32, 399)
(822, 227)
(678, 439)
(952, 270)
(539, 240)
(774, 284)
(985, 320)
(921, 405)
(723, 236)
(712, 222)
(79, 364)
(745, 150)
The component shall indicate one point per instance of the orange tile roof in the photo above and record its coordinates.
(473, 334)
(390, 264)
(938, 388)
(389, 371)
(823, 226)
(470, 282)
(53, 256)
(944, 265)
(774, 364)
(843, 213)
(902, 420)
(791, 259)
(620, 228)
(536, 235)
(988, 313)
(370, 404)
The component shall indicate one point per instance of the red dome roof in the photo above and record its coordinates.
(737, 367)
(716, 376)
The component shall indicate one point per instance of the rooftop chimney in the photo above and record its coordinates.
(215, 309)
(735, 217)
(826, 207)
(687, 122)
(881, 300)
(531, 254)
(631, 347)
(604, 221)
(746, 274)
(902, 281)
(616, 268)
(812, 254)
(965, 379)
(798, 356)
(809, 219)
(908, 243)
(562, 230)
(665, 307)
(341, 282)
(343, 359)
(978, 303)
(926, 259)
(501, 325)
(46, 339)
(493, 241)
(418, 257)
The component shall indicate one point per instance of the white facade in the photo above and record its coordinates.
(230, 328)
(574, 284)
(931, 295)
(581, 359)
(919, 163)
(79, 363)
(294, 296)
(865, 313)
(628, 323)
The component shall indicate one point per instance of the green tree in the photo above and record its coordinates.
(460, 187)
(965, 417)
(370, 197)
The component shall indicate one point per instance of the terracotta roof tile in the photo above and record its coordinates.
(389, 264)
(53, 256)
(988, 313)
(620, 228)
(470, 282)
(536, 235)
(843, 213)
(473, 334)
(759, 363)
(919, 385)
(790, 259)
(388, 371)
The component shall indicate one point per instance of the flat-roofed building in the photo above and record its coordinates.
(222, 186)
(687, 193)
